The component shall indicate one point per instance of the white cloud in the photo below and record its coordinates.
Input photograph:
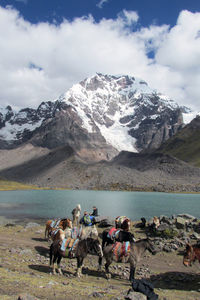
(101, 3)
(41, 61)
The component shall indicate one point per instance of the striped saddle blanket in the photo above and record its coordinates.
(69, 247)
(55, 223)
(121, 250)
(76, 232)
(54, 231)
(113, 233)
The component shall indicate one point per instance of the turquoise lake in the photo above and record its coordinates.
(45, 204)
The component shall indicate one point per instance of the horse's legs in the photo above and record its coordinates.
(132, 273)
(79, 266)
(58, 264)
(107, 264)
(54, 261)
(100, 263)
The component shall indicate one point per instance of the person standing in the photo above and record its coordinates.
(76, 212)
(95, 211)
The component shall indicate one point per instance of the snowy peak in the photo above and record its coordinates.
(102, 114)
(117, 105)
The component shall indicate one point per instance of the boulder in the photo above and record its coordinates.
(180, 222)
(186, 216)
(131, 295)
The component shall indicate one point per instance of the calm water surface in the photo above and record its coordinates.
(55, 203)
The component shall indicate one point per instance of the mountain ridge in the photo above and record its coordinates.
(98, 117)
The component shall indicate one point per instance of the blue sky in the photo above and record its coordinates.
(46, 46)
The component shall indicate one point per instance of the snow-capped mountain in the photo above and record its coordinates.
(101, 115)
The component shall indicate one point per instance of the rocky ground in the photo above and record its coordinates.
(25, 271)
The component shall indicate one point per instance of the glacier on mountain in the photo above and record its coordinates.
(122, 109)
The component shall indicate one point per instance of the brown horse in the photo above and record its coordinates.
(73, 249)
(123, 222)
(126, 252)
(57, 234)
(56, 224)
(191, 255)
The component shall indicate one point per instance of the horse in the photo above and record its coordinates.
(57, 234)
(79, 250)
(191, 255)
(112, 235)
(123, 222)
(126, 252)
(55, 224)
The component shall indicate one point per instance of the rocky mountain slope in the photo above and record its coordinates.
(63, 168)
(98, 118)
(185, 144)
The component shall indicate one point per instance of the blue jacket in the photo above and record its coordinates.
(87, 220)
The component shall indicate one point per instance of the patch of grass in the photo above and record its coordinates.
(6, 185)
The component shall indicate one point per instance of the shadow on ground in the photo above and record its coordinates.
(40, 268)
(39, 239)
(177, 281)
(42, 251)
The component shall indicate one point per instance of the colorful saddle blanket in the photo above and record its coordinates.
(54, 231)
(121, 250)
(113, 233)
(69, 247)
(76, 232)
(55, 223)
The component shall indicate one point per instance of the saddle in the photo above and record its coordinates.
(76, 232)
(54, 231)
(69, 247)
(121, 250)
(55, 223)
(113, 233)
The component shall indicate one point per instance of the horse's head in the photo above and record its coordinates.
(150, 246)
(126, 224)
(94, 246)
(188, 256)
(66, 223)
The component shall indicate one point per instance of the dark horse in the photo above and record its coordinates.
(191, 255)
(80, 251)
(123, 222)
(133, 254)
(112, 235)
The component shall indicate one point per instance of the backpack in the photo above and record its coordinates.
(87, 220)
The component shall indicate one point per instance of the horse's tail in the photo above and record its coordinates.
(51, 254)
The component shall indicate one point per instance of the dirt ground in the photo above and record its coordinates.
(24, 270)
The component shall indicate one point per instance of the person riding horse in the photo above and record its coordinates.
(89, 228)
